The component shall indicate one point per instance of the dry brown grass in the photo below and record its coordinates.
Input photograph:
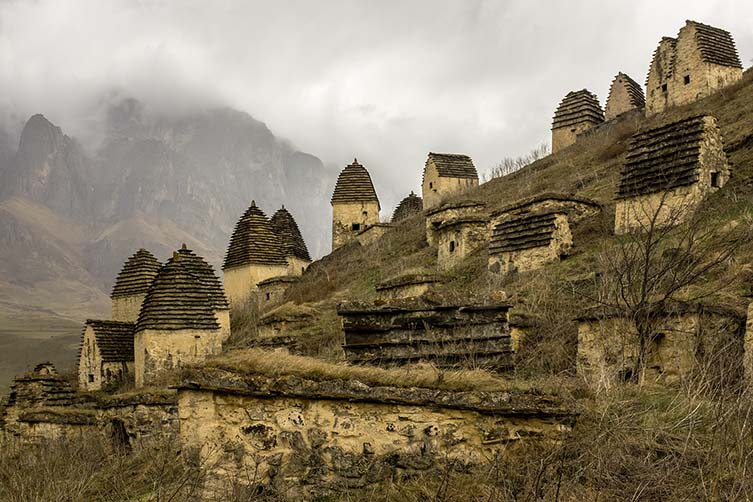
(87, 468)
(280, 363)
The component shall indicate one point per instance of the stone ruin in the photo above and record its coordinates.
(700, 61)
(177, 324)
(625, 95)
(438, 216)
(409, 206)
(530, 241)
(608, 344)
(279, 327)
(320, 433)
(413, 331)
(131, 285)
(372, 233)
(405, 286)
(105, 359)
(668, 171)
(535, 231)
(577, 113)
(271, 292)
(355, 205)
(255, 253)
(446, 175)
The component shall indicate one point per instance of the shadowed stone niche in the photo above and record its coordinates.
(446, 335)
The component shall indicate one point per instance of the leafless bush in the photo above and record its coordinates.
(509, 165)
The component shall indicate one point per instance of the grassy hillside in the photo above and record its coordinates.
(588, 168)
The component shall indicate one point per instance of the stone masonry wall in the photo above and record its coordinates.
(608, 348)
(311, 437)
(346, 214)
(157, 352)
(704, 78)
(565, 136)
(457, 241)
(241, 281)
(675, 205)
(126, 308)
(436, 189)
(537, 257)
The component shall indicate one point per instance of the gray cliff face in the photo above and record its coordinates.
(154, 182)
(51, 168)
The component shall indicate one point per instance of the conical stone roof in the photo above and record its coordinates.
(578, 107)
(354, 185)
(412, 204)
(254, 242)
(176, 300)
(204, 272)
(284, 225)
(137, 274)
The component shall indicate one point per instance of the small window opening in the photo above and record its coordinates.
(664, 88)
(715, 180)
(572, 130)
(431, 184)
(452, 246)
(686, 79)
(365, 214)
(91, 378)
(303, 269)
(197, 337)
(268, 296)
(355, 227)
(435, 224)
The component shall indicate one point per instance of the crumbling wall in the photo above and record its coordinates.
(446, 335)
(436, 217)
(680, 75)
(458, 238)
(524, 248)
(408, 286)
(608, 348)
(372, 233)
(312, 436)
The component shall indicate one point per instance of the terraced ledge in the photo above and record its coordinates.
(507, 403)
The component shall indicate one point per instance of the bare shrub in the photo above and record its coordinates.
(509, 165)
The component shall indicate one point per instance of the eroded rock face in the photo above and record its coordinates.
(309, 436)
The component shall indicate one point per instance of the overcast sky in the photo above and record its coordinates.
(386, 81)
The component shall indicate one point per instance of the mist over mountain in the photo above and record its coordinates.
(70, 216)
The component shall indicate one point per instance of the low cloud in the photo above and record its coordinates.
(383, 81)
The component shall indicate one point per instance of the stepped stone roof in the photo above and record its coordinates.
(667, 70)
(284, 225)
(412, 204)
(662, 158)
(578, 107)
(717, 45)
(176, 300)
(354, 185)
(114, 339)
(453, 165)
(523, 232)
(634, 90)
(254, 242)
(137, 274)
(204, 272)
(43, 386)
